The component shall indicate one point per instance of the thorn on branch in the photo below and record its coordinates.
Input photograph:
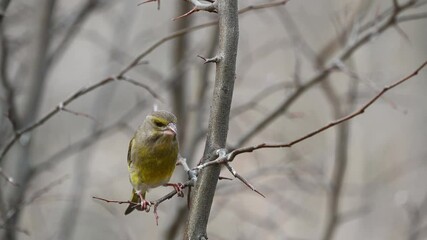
(215, 59)
(198, 6)
(147, 1)
(193, 10)
(242, 179)
(224, 178)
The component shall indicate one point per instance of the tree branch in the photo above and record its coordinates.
(63, 104)
(204, 189)
(230, 156)
(367, 32)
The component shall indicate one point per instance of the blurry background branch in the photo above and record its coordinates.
(3, 7)
(376, 26)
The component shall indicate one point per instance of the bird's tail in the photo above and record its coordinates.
(135, 201)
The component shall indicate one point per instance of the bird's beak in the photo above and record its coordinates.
(172, 128)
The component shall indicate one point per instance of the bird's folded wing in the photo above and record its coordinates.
(131, 143)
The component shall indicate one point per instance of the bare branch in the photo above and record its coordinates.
(46, 189)
(66, 102)
(36, 195)
(79, 114)
(144, 86)
(53, 112)
(366, 33)
(113, 201)
(230, 156)
(155, 203)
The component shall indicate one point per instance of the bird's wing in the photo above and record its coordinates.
(131, 143)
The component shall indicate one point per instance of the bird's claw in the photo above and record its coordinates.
(144, 205)
(178, 188)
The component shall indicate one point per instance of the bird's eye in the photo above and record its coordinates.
(158, 123)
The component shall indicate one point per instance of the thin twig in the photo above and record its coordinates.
(46, 189)
(36, 195)
(61, 107)
(242, 179)
(53, 112)
(114, 201)
(80, 114)
(230, 156)
(155, 203)
(144, 86)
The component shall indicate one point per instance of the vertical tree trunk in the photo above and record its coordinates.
(204, 190)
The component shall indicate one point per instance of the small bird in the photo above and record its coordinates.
(152, 156)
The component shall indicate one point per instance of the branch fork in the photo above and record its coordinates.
(212, 6)
(215, 59)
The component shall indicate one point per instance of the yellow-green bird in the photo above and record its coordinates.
(152, 157)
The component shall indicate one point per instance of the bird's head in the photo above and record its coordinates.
(160, 125)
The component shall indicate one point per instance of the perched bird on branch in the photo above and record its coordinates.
(152, 156)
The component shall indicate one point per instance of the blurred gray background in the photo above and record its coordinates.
(383, 196)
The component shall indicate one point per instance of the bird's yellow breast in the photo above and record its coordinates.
(154, 165)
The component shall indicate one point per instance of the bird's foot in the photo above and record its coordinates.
(144, 205)
(178, 188)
